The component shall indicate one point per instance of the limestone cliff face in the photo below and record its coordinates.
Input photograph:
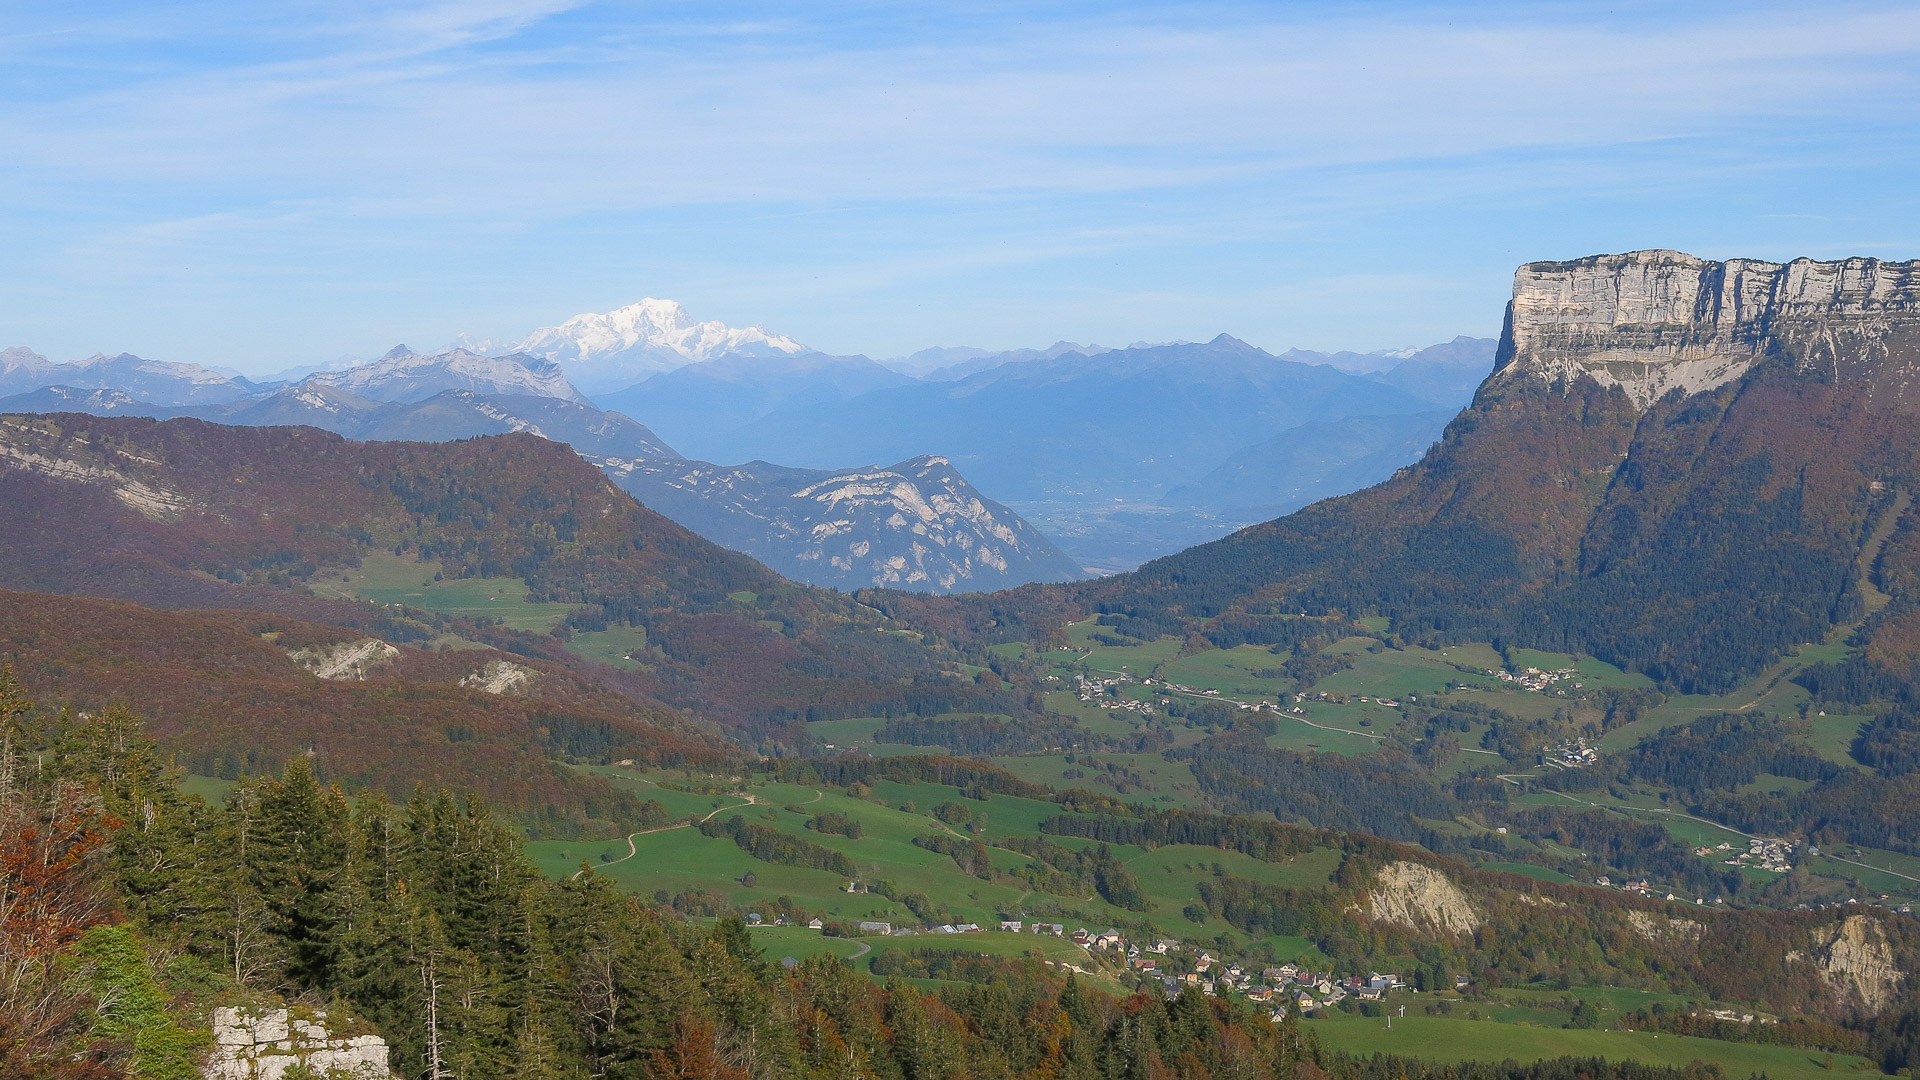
(1418, 896)
(1653, 321)
(1856, 960)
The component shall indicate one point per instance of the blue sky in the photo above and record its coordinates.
(260, 185)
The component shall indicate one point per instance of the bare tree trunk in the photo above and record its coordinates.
(430, 980)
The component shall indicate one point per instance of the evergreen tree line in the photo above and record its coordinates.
(771, 845)
(1070, 872)
(987, 736)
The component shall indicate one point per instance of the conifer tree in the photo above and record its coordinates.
(297, 860)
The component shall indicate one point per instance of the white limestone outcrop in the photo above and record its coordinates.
(348, 661)
(1855, 959)
(1418, 896)
(501, 677)
(264, 1043)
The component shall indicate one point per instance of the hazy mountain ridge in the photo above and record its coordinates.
(1317, 460)
(406, 376)
(1143, 418)
(1088, 442)
(947, 363)
(696, 406)
(917, 525)
(158, 382)
(1077, 442)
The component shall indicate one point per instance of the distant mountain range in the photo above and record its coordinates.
(1088, 446)
(698, 406)
(404, 375)
(156, 382)
(917, 526)
(1317, 460)
(1117, 455)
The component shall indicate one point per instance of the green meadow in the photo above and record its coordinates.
(1453, 1039)
(384, 578)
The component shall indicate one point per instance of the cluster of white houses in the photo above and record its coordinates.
(1537, 680)
(1178, 968)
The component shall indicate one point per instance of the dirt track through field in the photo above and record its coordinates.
(634, 849)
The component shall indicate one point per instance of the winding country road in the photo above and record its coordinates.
(633, 849)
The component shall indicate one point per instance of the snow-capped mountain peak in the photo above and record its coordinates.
(624, 346)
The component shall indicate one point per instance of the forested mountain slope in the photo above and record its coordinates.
(1674, 466)
(235, 693)
(186, 514)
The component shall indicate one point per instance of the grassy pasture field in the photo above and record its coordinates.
(1298, 950)
(661, 785)
(1394, 673)
(211, 788)
(778, 942)
(1230, 671)
(1833, 737)
(1538, 873)
(1451, 1039)
(610, 646)
(1168, 783)
(384, 578)
(1339, 729)
(858, 731)
(1772, 692)
(1137, 660)
(678, 858)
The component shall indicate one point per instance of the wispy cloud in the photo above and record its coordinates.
(1050, 136)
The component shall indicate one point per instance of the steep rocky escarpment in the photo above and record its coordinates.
(1856, 961)
(1418, 896)
(1652, 322)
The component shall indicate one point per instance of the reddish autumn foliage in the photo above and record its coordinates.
(51, 845)
(220, 690)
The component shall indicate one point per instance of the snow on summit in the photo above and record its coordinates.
(629, 344)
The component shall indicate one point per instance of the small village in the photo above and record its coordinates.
(1103, 693)
(1172, 965)
(1095, 692)
(1539, 681)
(1772, 855)
(1574, 754)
